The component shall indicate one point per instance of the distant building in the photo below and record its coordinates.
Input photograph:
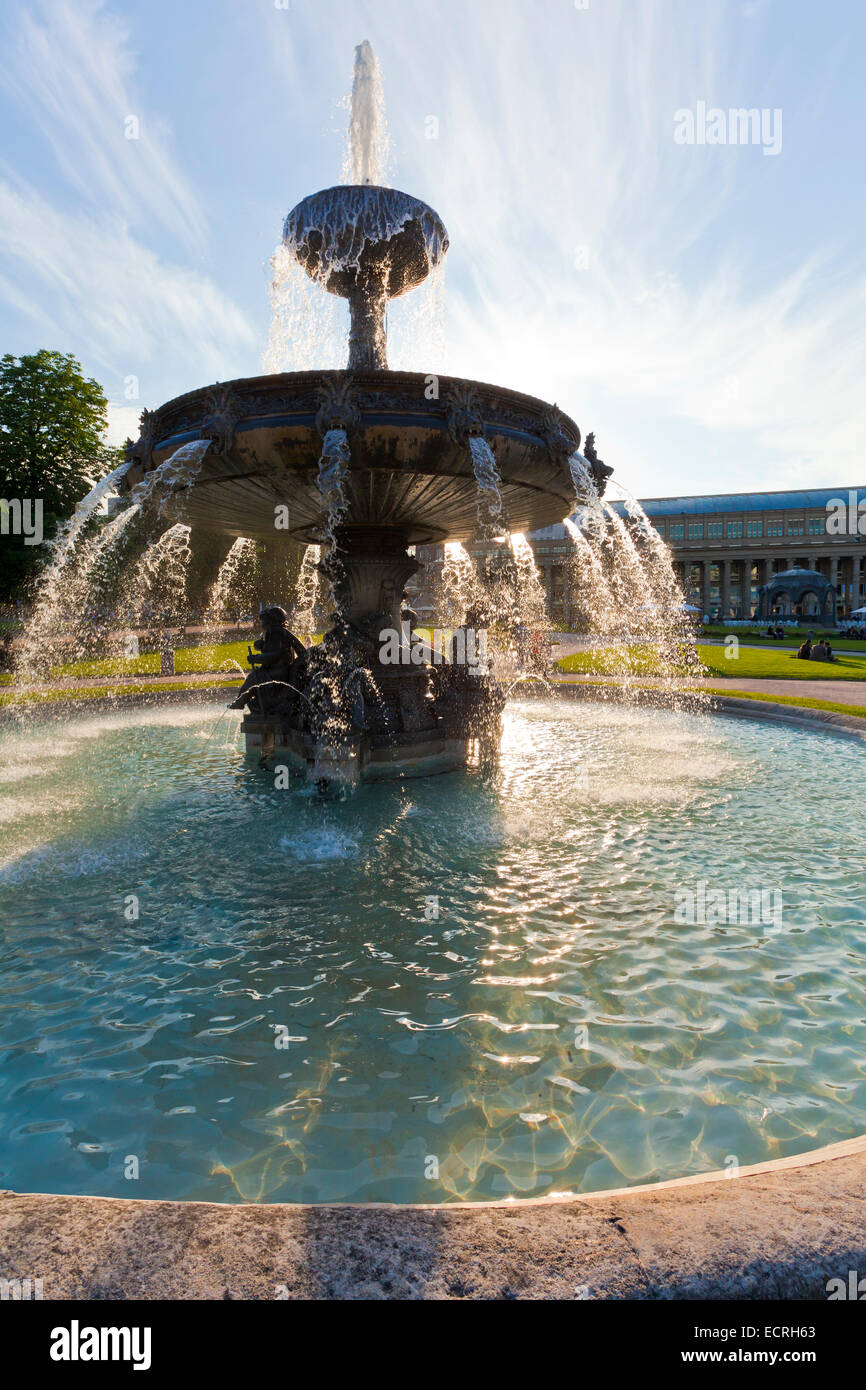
(727, 547)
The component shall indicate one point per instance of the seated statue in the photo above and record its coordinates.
(279, 664)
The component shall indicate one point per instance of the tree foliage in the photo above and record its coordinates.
(52, 423)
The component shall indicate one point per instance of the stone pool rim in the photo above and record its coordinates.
(777, 1230)
(738, 706)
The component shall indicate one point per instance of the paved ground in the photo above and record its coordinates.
(205, 678)
(770, 1233)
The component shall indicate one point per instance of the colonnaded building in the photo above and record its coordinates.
(740, 555)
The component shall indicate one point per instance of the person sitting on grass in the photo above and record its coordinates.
(805, 652)
(821, 651)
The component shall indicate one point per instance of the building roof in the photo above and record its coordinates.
(721, 502)
(745, 502)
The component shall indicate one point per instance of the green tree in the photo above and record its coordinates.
(52, 423)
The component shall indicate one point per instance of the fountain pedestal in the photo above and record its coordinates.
(372, 703)
(369, 568)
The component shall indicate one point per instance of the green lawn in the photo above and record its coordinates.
(751, 663)
(109, 692)
(187, 661)
(800, 701)
(793, 637)
(764, 664)
(636, 661)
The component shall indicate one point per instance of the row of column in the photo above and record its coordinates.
(838, 569)
(829, 567)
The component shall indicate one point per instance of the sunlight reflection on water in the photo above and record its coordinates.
(477, 976)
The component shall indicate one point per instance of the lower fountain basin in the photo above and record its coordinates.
(358, 758)
(410, 465)
(469, 987)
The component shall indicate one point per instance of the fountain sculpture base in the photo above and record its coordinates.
(360, 757)
(417, 721)
(373, 699)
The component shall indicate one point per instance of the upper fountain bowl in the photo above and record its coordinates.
(360, 235)
(411, 446)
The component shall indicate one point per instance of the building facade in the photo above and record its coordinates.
(727, 547)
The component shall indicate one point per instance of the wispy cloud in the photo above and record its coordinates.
(594, 259)
(113, 296)
(688, 303)
(71, 68)
(78, 263)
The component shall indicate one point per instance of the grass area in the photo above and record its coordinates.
(751, 663)
(634, 661)
(187, 661)
(109, 692)
(756, 664)
(793, 637)
(799, 701)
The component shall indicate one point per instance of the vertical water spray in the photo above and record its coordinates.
(164, 487)
(491, 511)
(224, 590)
(626, 596)
(458, 589)
(416, 325)
(62, 549)
(530, 600)
(330, 719)
(62, 625)
(368, 142)
(308, 328)
(154, 595)
(334, 464)
(307, 592)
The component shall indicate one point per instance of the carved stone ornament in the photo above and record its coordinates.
(339, 409)
(224, 411)
(600, 470)
(140, 453)
(560, 443)
(464, 416)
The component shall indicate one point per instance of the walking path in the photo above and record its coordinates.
(838, 692)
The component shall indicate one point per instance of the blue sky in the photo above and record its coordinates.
(701, 307)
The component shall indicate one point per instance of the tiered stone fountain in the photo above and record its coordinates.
(367, 462)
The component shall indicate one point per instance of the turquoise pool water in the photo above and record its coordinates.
(473, 986)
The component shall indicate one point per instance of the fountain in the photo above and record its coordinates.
(586, 966)
(366, 463)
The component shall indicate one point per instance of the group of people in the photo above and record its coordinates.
(775, 632)
(816, 651)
